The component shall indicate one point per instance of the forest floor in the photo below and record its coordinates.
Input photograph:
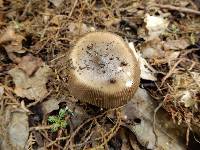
(37, 111)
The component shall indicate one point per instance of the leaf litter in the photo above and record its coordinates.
(36, 36)
(34, 87)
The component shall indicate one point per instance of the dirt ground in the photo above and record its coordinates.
(37, 111)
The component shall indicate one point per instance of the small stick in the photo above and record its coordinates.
(57, 139)
(22, 17)
(154, 121)
(181, 9)
(40, 128)
(171, 71)
(72, 10)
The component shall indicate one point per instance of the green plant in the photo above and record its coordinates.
(192, 39)
(59, 120)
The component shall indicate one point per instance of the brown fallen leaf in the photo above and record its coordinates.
(15, 40)
(170, 58)
(12, 43)
(34, 87)
(18, 129)
(133, 142)
(75, 28)
(14, 129)
(30, 64)
(56, 2)
(176, 44)
(50, 105)
(140, 113)
(15, 45)
(56, 20)
(125, 139)
(153, 49)
(7, 35)
(113, 21)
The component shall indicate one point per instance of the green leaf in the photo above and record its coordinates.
(53, 119)
(63, 124)
(55, 127)
(62, 113)
(58, 121)
(192, 39)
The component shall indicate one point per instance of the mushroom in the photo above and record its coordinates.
(105, 71)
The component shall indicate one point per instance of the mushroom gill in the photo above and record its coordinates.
(105, 71)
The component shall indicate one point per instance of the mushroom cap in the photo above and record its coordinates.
(105, 71)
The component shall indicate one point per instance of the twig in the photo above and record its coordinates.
(48, 139)
(188, 135)
(40, 128)
(72, 10)
(58, 57)
(85, 142)
(57, 139)
(25, 10)
(111, 133)
(189, 51)
(196, 138)
(180, 9)
(77, 130)
(83, 124)
(171, 71)
(154, 122)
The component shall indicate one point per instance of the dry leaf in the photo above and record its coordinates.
(140, 113)
(12, 42)
(156, 25)
(33, 88)
(147, 72)
(50, 105)
(185, 81)
(144, 134)
(112, 21)
(15, 45)
(185, 89)
(153, 49)
(18, 129)
(75, 28)
(172, 55)
(56, 2)
(187, 99)
(176, 44)
(30, 64)
(7, 36)
(56, 20)
(124, 139)
(79, 116)
(15, 40)
(133, 142)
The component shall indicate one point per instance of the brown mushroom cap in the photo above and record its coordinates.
(105, 73)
